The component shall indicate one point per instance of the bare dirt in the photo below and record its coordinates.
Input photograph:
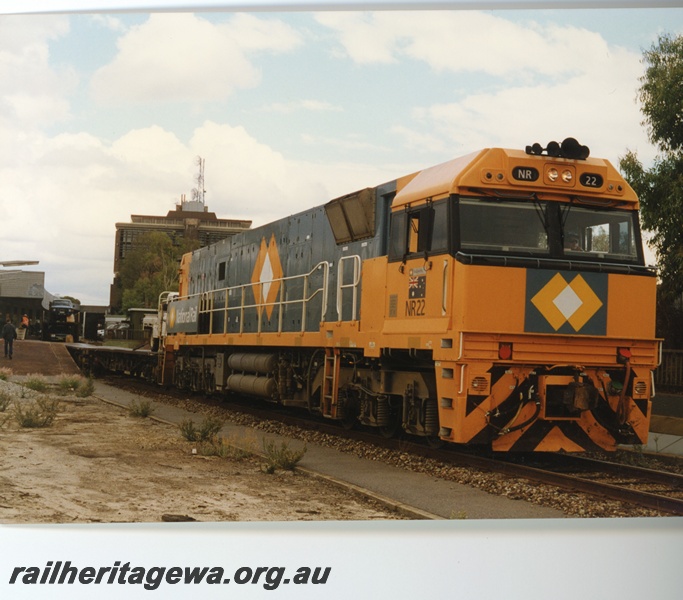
(98, 463)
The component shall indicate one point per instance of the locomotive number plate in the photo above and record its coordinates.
(591, 180)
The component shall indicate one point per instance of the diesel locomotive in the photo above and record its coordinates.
(500, 300)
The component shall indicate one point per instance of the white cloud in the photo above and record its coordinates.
(464, 41)
(420, 141)
(535, 83)
(353, 142)
(256, 34)
(109, 22)
(183, 57)
(247, 179)
(22, 35)
(304, 104)
(62, 204)
(589, 106)
(365, 37)
(33, 93)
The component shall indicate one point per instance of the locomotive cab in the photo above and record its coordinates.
(531, 265)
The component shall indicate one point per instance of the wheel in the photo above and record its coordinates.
(392, 428)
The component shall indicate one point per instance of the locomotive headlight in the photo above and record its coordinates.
(553, 174)
(567, 176)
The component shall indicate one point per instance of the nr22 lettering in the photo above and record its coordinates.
(415, 308)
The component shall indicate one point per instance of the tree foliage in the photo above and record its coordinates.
(661, 94)
(660, 188)
(150, 268)
(661, 195)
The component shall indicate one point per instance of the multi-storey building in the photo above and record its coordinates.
(189, 220)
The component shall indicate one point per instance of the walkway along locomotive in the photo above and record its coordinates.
(500, 299)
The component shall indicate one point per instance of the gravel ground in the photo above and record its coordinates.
(137, 444)
(97, 463)
(572, 504)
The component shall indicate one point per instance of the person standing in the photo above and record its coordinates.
(9, 333)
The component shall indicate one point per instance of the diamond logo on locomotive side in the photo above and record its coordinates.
(267, 275)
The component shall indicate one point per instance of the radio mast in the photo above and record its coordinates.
(199, 191)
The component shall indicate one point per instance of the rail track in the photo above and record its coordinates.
(657, 490)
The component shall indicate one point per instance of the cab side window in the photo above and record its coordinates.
(418, 231)
(398, 235)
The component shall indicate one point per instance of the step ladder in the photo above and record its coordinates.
(330, 390)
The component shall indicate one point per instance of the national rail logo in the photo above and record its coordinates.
(566, 302)
(183, 315)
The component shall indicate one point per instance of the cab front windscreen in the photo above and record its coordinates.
(547, 229)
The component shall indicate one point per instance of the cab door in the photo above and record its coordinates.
(419, 270)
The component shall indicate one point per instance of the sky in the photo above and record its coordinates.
(104, 114)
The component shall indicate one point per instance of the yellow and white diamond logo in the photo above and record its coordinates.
(561, 302)
(267, 275)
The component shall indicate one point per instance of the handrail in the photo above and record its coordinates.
(341, 286)
(207, 299)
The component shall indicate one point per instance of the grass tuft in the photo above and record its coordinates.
(86, 389)
(68, 384)
(281, 457)
(207, 431)
(37, 383)
(140, 408)
(40, 413)
(75, 385)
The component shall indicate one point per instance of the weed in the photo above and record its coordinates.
(140, 408)
(68, 384)
(86, 389)
(281, 457)
(188, 430)
(5, 401)
(36, 383)
(5, 373)
(207, 431)
(75, 385)
(40, 413)
(209, 428)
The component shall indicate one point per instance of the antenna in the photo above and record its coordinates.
(199, 191)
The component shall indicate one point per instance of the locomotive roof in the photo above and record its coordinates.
(470, 171)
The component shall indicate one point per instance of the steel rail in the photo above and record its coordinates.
(674, 480)
(596, 488)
